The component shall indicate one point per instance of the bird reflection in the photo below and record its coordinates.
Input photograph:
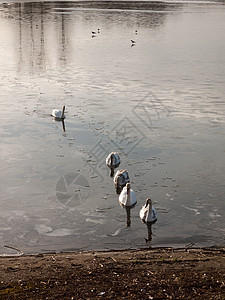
(128, 209)
(63, 125)
(149, 227)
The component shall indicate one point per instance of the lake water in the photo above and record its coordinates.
(159, 103)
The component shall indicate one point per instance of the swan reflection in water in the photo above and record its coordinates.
(128, 209)
(128, 200)
(63, 124)
(149, 227)
(148, 216)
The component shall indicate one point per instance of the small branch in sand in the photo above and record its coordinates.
(189, 246)
(10, 247)
(113, 258)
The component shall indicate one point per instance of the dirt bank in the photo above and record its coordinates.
(163, 273)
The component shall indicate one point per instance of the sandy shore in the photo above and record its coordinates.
(164, 273)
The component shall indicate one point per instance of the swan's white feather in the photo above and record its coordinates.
(127, 199)
(58, 114)
(148, 213)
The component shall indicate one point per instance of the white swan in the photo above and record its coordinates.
(120, 180)
(127, 197)
(112, 161)
(148, 213)
(58, 114)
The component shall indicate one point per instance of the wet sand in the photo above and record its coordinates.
(160, 273)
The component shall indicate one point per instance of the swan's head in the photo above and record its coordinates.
(128, 187)
(148, 201)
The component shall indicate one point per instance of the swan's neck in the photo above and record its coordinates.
(112, 160)
(149, 213)
(63, 110)
(128, 203)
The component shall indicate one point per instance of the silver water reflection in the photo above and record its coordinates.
(160, 104)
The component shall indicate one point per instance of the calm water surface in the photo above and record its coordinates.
(160, 104)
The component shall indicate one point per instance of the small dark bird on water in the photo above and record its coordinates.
(93, 32)
(135, 31)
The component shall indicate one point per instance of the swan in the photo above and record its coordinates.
(128, 200)
(58, 114)
(148, 213)
(127, 197)
(112, 161)
(120, 180)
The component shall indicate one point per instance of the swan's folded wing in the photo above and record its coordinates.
(143, 212)
(108, 160)
(123, 197)
(154, 214)
(56, 113)
(133, 198)
(116, 159)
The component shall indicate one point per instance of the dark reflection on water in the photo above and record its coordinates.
(160, 104)
(149, 227)
(33, 20)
